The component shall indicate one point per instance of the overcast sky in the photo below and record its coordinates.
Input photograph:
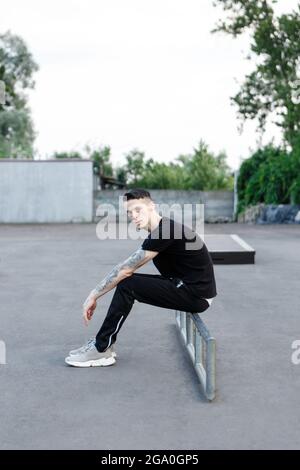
(134, 73)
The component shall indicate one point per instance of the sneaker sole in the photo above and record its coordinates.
(103, 362)
(73, 354)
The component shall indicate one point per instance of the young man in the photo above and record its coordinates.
(186, 281)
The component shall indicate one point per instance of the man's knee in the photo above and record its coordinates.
(126, 283)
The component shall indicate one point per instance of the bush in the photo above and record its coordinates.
(201, 170)
(295, 191)
(248, 176)
(268, 176)
(295, 187)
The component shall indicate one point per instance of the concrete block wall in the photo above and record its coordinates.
(58, 191)
(218, 205)
(46, 191)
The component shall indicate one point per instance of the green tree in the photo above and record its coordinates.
(247, 172)
(16, 134)
(271, 176)
(101, 160)
(205, 171)
(121, 174)
(16, 71)
(136, 166)
(200, 170)
(273, 87)
(295, 186)
(159, 175)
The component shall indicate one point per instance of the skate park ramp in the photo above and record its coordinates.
(229, 249)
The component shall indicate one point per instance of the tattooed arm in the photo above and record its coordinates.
(118, 273)
(123, 270)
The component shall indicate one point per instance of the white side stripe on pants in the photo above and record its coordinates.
(114, 331)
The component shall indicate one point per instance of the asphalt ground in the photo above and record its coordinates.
(150, 399)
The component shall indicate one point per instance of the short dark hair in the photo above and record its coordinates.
(137, 193)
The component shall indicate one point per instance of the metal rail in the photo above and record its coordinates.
(201, 347)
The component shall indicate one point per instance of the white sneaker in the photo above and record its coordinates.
(82, 348)
(91, 357)
(85, 347)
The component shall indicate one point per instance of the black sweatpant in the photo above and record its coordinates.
(149, 289)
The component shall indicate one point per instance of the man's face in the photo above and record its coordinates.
(139, 211)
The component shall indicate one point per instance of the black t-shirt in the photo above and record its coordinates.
(183, 255)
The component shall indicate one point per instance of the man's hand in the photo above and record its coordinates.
(88, 309)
